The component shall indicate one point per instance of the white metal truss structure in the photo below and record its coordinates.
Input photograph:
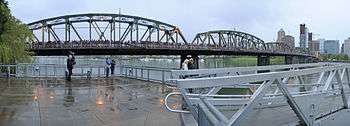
(304, 94)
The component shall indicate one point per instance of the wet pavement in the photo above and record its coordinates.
(97, 102)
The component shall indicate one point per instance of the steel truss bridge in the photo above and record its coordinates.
(116, 34)
(299, 94)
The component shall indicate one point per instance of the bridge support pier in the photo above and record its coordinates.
(263, 60)
(195, 60)
(310, 60)
(302, 59)
(291, 60)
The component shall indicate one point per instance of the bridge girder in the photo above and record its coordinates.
(104, 27)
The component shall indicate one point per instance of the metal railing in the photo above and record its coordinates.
(7, 70)
(155, 74)
(216, 72)
(309, 92)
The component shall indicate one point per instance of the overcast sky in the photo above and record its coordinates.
(328, 19)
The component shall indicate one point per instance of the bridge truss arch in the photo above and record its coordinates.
(105, 28)
(229, 39)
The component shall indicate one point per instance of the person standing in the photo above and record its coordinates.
(185, 64)
(112, 67)
(70, 64)
(108, 66)
(190, 64)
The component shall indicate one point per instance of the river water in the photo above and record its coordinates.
(154, 61)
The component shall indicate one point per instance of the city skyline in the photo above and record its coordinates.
(263, 19)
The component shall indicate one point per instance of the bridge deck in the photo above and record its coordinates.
(150, 48)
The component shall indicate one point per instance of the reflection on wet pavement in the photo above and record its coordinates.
(111, 102)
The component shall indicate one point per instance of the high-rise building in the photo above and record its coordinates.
(283, 38)
(346, 46)
(289, 40)
(280, 35)
(309, 36)
(314, 46)
(303, 36)
(331, 47)
(321, 45)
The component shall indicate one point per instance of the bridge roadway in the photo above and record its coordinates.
(147, 48)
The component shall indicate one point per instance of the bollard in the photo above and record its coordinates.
(135, 73)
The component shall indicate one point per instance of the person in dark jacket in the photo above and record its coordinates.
(191, 64)
(108, 66)
(70, 65)
(112, 67)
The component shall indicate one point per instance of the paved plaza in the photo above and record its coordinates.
(97, 102)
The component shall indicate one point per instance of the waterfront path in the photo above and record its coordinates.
(104, 102)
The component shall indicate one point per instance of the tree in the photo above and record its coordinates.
(4, 14)
(13, 37)
(334, 57)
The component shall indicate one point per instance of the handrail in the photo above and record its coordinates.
(238, 70)
(272, 88)
(58, 70)
(173, 110)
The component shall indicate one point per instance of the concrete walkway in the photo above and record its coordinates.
(98, 102)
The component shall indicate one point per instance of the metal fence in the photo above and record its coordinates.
(147, 73)
(155, 74)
